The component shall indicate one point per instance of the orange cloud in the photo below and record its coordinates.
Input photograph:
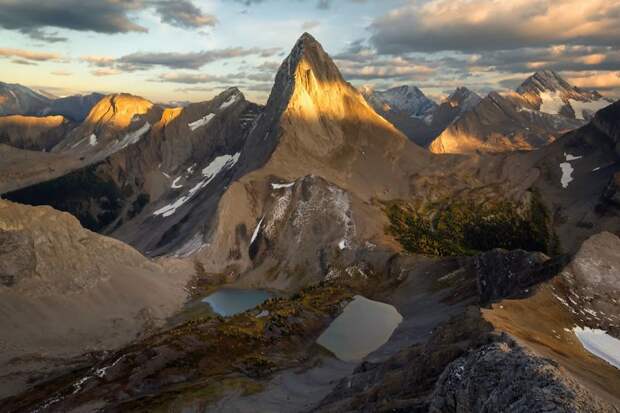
(471, 25)
(29, 55)
(596, 80)
(106, 71)
(594, 59)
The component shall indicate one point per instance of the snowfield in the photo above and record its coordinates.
(256, 231)
(209, 173)
(201, 122)
(587, 108)
(231, 100)
(131, 138)
(282, 186)
(552, 103)
(175, 183)
(567, 170)
(599, 343)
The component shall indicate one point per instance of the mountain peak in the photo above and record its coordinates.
(407, 98)
(545, 80)
(118, 109)
(463, 98)
(309, 50)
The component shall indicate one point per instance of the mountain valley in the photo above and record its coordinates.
(489, 225)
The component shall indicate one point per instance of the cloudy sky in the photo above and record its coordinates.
(169, 50)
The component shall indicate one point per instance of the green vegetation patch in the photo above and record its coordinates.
(466, 227)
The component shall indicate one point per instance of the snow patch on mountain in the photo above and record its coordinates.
(599, 343)
(209, 173)
(175, 183)
(567, 170)
(201, 122)
(282, 186)
(230, 101)
(552, 102)
(408, 99)
(256, 231)
(585, 110)
(132, 138)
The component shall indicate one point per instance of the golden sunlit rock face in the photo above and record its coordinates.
(451, 141)
(324, 109)
(31, 132)
(328, 128)
(169, 115)
(118, 110)
(31, 122)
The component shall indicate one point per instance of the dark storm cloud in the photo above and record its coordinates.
(102, 16)
(196, 60)
(183, 13)
(482, 25)
(35, 17)
(174, 60)
(559, 58)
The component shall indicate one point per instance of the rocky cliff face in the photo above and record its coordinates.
(66, 289)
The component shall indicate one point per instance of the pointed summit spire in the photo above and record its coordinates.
(308, 49)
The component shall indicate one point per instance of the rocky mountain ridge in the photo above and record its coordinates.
(17, 99)
(544, 107)
(298, 196)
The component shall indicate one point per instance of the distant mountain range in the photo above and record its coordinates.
(541, 109)
(19, 100)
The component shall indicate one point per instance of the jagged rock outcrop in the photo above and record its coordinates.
(451, 109)
(543, 107)
(33, 133)
(64, 289)
(504, 377)
(504, 274)
(472, 363)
